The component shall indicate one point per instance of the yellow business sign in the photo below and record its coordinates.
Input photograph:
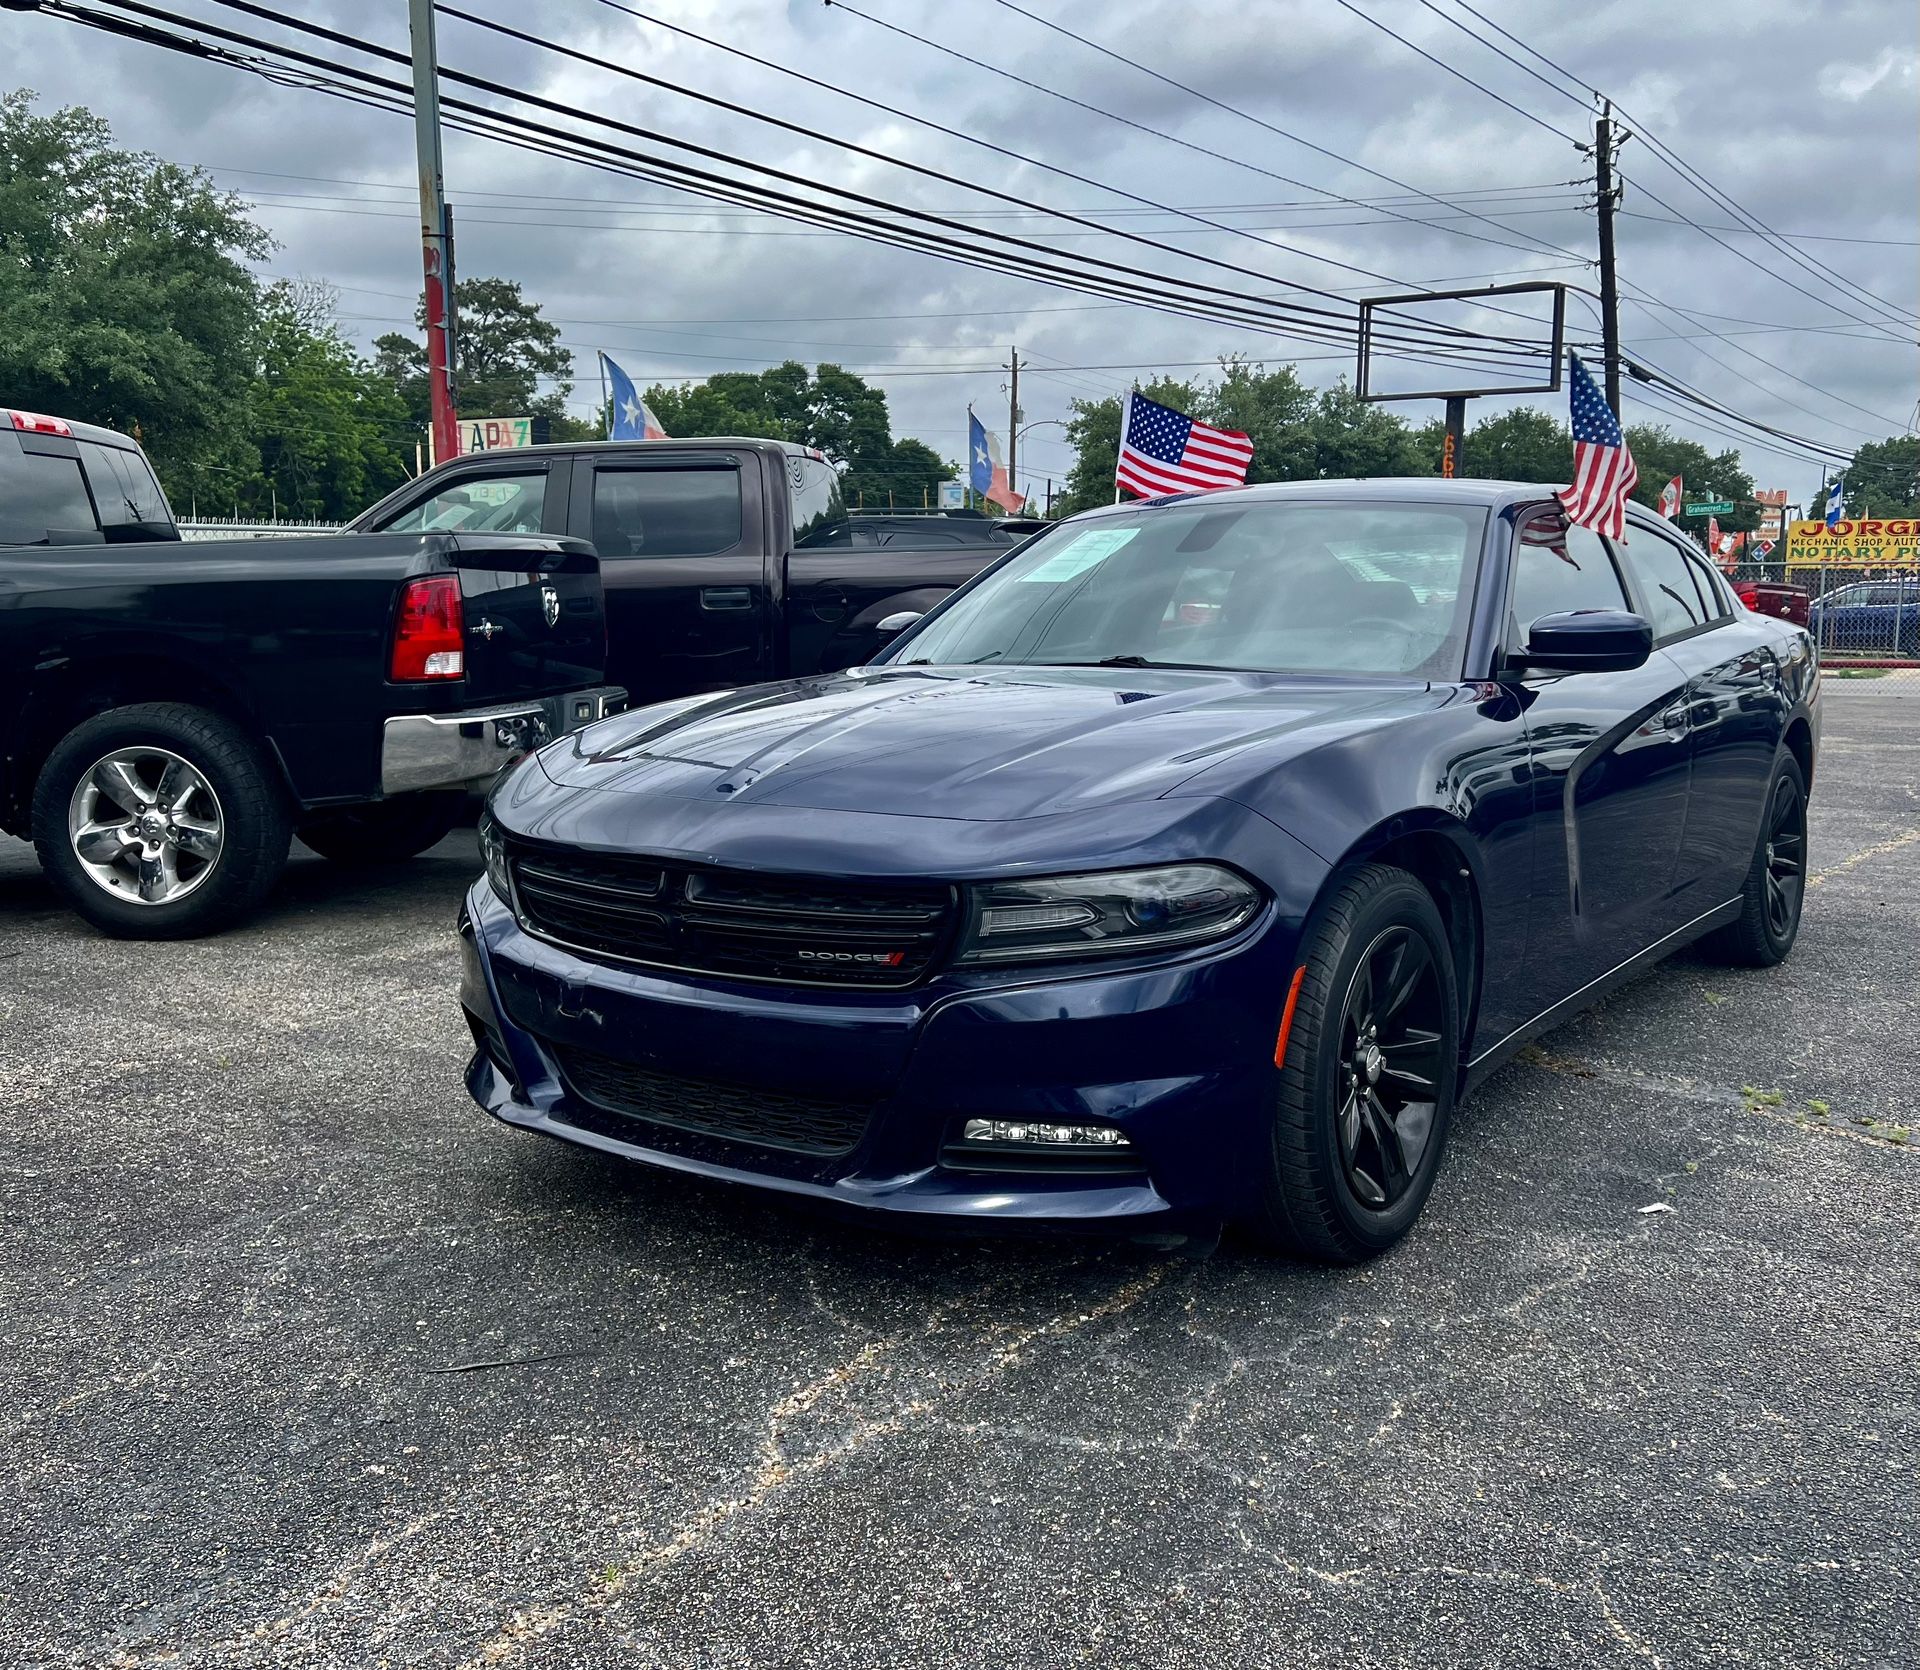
(1862, 544)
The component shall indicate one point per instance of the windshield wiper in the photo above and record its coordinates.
(1133, 661)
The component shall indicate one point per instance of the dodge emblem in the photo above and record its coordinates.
(550, 605)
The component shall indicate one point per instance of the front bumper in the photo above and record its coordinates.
(451, 750)
(1178, 1056)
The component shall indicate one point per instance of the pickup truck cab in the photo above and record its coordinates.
(720, 557)
(172, 713)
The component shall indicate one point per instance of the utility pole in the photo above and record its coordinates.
(1013, 421)
(1607, 200)
(436, 239)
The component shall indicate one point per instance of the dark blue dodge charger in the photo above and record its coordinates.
(1185, 867)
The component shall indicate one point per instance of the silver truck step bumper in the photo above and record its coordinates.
(454, 750)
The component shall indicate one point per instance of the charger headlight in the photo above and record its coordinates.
(493, 848)
(1106, 914)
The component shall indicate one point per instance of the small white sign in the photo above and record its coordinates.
(495, 434)
(1088, 551)
(953, 495)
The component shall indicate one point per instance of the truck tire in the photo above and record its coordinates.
(386, 831)
(160, 821)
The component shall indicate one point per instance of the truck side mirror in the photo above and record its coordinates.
(894, 624)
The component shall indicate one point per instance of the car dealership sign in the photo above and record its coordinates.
(499, 434)
(1863, 544)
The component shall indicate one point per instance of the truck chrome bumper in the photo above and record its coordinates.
(452, 750)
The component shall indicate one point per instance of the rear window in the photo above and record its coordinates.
(123, 485)
(42, 494)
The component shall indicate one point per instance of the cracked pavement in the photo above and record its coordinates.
(304, 1362)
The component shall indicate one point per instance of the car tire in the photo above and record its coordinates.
(386, 831)
(196, 838)
(1364, 1094)
(1775, 890)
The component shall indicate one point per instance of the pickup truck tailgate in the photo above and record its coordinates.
(535, 620)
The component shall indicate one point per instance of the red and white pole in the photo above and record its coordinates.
(436, 239)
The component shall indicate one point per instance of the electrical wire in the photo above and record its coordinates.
(1197, 301)
(1534, 246)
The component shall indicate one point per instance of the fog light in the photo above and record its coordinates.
(1034, 1131)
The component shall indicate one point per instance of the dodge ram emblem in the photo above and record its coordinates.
(550, 605)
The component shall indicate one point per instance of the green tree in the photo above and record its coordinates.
(331, 434)
(1660, 455)
(1525, 444)
(125, 294)
(508, 357)
(1884, 478)
(829, 408)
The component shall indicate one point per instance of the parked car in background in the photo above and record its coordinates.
(173, 713)
(1189, 865)
(721, 557)
(1870, 617)
(1774, 597)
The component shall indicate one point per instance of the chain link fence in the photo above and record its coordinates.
(1866, 616)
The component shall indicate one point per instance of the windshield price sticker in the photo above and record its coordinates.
(1088, 551)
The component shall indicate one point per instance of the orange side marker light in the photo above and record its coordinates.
(1286, 1017)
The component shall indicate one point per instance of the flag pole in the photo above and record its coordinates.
(606, 396)
(1126, 407)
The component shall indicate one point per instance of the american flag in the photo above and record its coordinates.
(1603, 468)
(1164, 451)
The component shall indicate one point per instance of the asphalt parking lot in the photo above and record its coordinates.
(306, 1362)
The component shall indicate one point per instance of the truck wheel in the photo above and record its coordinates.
(160, 821)
(387, 830)
(1365, 1093)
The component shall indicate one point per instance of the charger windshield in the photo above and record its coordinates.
(1368, 589)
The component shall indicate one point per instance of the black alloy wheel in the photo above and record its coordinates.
(1785, 857)
(1364, 1091)
(1776, 886)
(1390, 1054)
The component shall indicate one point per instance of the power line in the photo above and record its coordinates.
(1672, 160)
(1535, 245)
(1200, 301)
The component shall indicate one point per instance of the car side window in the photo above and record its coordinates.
(1712, 589)
(477, 504)
(1558, 568)
(665, 513)
(1666, 580)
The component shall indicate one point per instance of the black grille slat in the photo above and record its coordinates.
(782, 1119)
(799, 930)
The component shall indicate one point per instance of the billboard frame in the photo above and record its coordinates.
(1363, 382)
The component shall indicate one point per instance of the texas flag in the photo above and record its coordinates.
(987, 470)
(1669, 505)
(630, 417)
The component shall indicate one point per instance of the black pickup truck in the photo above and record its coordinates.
(725, 561)
(170, 713)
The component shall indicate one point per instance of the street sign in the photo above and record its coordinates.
(1709, 507)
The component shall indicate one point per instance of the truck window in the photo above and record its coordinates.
(477, 504)
(42, 494)
(124, 487)
(814, 489)
(665, 513)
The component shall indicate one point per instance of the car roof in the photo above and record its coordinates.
(1381, 489)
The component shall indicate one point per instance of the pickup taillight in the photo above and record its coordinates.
(38, 423)
(429, 632)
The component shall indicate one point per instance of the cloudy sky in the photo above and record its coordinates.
(1805, 116)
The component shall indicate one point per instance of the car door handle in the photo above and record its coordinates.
(726, 597)
(1675, 717)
